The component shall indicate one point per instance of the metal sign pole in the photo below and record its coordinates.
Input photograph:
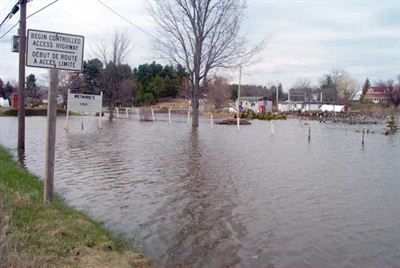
(51, 136)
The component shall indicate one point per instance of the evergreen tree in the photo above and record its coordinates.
(31, 89)
(91, 72)
(365, 88)
(160, 81)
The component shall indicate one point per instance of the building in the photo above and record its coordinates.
(256, 104)
(290, 106)
(376, 94)
(4, 102)
(293, 106)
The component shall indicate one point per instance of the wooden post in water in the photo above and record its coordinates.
(137, 114)
(127, 113)
(188, 115)
(152, 114)
(212, 120)
(82, 126)
(363, 137)
(277, 96)
(309, 133)
(117, 112)
(169, 114)
(101, 110)
(272, 128)
(51, 136)
(238, 100)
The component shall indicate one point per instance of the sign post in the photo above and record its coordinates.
(66, 126)
(53, 51)
(51, 136)
(84, 103)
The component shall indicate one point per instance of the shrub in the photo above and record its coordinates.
(32, 112)
(250, 114)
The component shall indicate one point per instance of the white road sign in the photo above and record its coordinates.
(84, 103)
(53, 50)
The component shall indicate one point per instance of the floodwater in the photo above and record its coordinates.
(222, 198)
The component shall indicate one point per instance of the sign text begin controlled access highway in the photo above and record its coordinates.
(53, 50)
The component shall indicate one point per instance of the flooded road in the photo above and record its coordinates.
(222, 198)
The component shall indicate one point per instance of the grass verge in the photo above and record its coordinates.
(33, 234)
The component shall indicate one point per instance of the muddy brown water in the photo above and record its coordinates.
(221, 198)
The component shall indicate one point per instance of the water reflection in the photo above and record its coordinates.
(21, 158)
(205, 222)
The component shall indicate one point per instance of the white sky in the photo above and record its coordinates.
(306, 38)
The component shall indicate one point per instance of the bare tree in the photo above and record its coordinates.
(301, 90)
(201, 35)
(218, 91)
(113, 47)
(113, 51)
(346, 85)
(392, 90)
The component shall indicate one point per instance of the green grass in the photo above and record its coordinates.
(35, 234)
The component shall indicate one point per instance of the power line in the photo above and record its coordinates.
(34, 13)
(9, 30)
(125, 19)
(11, 13)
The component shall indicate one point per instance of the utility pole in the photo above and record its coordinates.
(277, 96)
(21, 78)
(238, 100)
(51, 136)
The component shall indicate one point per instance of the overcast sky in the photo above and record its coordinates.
(306, 39)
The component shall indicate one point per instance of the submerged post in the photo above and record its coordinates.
(51, 136)
(363, 137)
(152, 114)
(309, 133)
(238, 100)
(188, 115)
(127, 113)
(212, 120)
(169, 114)
(272, 128)
(101, 110)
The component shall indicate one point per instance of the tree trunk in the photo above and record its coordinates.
(195, 104)
(111, 111)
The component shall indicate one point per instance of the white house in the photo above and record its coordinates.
(311, 107)
(256, 104)
(4, 102)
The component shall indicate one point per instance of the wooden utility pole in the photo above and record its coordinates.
(51, 136)
(238, 99)
(277, 96)
(21, 78)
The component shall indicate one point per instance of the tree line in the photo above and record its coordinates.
(337, 86)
